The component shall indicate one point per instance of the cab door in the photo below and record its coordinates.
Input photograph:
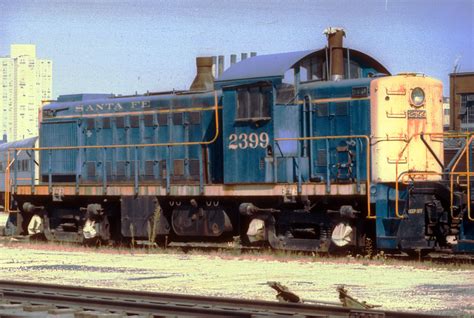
(248, 133)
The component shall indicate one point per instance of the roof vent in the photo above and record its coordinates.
(204, 81)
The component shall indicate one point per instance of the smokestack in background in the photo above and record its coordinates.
(204, 80)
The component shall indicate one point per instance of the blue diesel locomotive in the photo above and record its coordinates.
(315, 150)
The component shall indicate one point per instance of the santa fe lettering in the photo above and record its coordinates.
(98, 107)
(143, 104)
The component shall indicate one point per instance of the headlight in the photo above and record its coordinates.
(417, 97)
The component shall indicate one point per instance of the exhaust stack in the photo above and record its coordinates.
(335, 36)
(204, 80)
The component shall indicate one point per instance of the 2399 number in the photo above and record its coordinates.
(244, 141)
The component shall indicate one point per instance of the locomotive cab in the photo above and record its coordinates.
(287, 125)
(272, 100)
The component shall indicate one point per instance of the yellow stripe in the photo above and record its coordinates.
(192, 109)
(333, 100)
(159, 111)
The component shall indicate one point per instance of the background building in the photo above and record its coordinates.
(24, 82)
(461, 97)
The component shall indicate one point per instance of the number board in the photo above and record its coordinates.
(245, 141)
(416, 114)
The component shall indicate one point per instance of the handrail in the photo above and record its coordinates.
(167, 144)
(451, 173)
(409, 174)
(461, 174)
(367, 139)
(396, 173)
(451, 180)
(425, 173)
(7, 182)
(400, 154)
(468, 168)
(465, 151)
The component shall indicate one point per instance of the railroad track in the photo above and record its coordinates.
(23, 299)
(435, 257)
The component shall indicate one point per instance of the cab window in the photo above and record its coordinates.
(253, 102)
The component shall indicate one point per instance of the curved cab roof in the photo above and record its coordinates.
(275, 65)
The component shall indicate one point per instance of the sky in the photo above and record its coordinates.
(129, 46)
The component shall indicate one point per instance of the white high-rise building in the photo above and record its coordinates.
(25, 81)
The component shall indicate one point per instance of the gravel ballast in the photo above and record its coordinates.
(396, 287)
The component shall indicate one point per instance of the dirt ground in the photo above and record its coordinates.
(408, 287)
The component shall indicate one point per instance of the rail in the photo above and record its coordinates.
(328, 179)
(469, 137)
(95, 302)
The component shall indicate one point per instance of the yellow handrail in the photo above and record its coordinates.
(410, 174)
(464, 151)
(461, 174)
(369, 214)
(7, 184)
(396, 173)
(442, 134)
(451, 173)
(425, 173)
(166, 144)
(7, 181)
(467, 148)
